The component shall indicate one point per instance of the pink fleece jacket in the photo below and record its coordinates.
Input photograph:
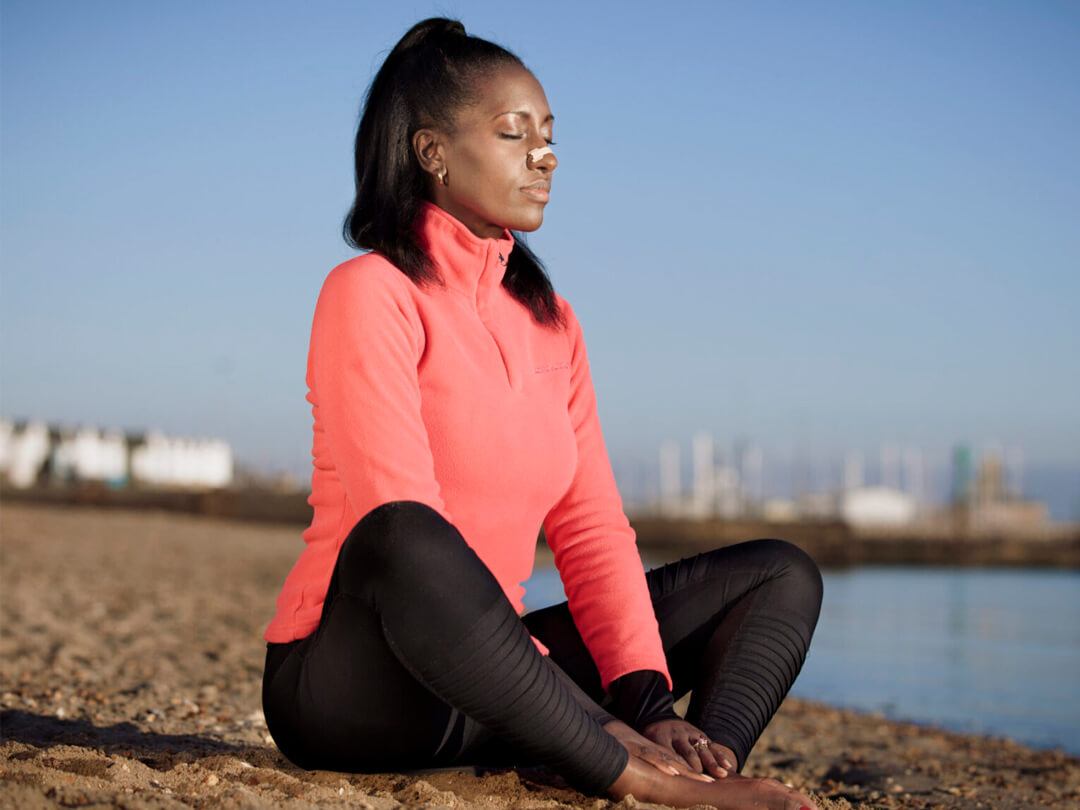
(455, 397)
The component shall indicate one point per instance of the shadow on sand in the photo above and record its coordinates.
(160, 751)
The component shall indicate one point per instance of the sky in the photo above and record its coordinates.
(816, 226)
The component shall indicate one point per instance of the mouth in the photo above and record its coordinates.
(539, 191)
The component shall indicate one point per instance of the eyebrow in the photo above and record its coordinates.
(523, 114)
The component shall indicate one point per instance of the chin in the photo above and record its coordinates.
(528, 223)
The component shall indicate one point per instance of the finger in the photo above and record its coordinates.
(722, 756)
(667, 763)
(710, 763)
(689, 753)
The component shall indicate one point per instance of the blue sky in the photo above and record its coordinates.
(820, 224)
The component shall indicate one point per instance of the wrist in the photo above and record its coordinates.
(642, 697)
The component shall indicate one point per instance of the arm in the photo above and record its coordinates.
(366, 341)
(595, 548)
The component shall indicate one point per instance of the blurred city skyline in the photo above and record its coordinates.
(821, 228)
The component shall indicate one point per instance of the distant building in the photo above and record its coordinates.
(877, 506)
(961, 474)
(990, 479)
(704, 498)
(753, 478)
(1009, 515)
(26, 450)
(915, 476)
(993, 505)
(717, 489)
(86, 454)
(728, 498)
(890, 466)
(670, 480)
(779, 510)
(818, 505)
(36, 454)
(176, 462)
(853, 470)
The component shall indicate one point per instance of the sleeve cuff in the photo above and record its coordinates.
(641, 698)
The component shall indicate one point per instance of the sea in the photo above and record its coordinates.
(993, 651)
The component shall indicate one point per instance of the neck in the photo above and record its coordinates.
(469, 263)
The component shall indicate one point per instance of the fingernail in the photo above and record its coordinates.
(710, 778)
(675, 772)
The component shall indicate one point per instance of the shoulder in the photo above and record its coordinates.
(368, 273)
(368, 285)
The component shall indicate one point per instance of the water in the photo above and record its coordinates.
(989, 651)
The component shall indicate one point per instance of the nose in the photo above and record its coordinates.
(541, 158)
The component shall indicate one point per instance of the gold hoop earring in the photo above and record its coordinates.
(441, 174)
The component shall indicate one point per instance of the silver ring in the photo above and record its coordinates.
(701, 742)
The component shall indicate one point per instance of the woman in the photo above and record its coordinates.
(453, 415)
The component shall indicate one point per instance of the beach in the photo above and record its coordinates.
(130, 665)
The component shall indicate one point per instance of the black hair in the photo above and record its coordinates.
(429, 75)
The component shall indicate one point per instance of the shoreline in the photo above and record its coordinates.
(832, 544)
(129, 676)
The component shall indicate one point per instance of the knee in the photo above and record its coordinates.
(798, 570)
(397, 539)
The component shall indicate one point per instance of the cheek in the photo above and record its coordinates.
(490, 177)
(497, 162)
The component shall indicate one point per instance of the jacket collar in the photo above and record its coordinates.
(466, 262)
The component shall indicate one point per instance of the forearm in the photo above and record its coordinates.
(641, 698)
(590, 706)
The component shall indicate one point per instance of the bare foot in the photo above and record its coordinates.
(652, 777)
(648, 783)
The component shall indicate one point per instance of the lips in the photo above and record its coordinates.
(539, 191)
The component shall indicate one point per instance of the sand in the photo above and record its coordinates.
(130, 665)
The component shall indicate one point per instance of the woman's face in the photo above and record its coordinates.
(492, 180)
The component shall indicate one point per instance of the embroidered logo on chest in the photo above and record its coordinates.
(551, 367)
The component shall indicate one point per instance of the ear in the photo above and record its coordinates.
(427, 145)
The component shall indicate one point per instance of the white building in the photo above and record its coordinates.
(175, 462)
(703, 503)
(34, 453)
(28, 451)
(87, 454)
(877, 506)
(670, 480)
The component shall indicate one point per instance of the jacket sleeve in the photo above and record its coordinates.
(366, 342)
(595, 548)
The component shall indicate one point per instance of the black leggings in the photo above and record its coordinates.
(419, 660)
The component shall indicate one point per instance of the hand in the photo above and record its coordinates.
(680, 737)
(645, 749)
